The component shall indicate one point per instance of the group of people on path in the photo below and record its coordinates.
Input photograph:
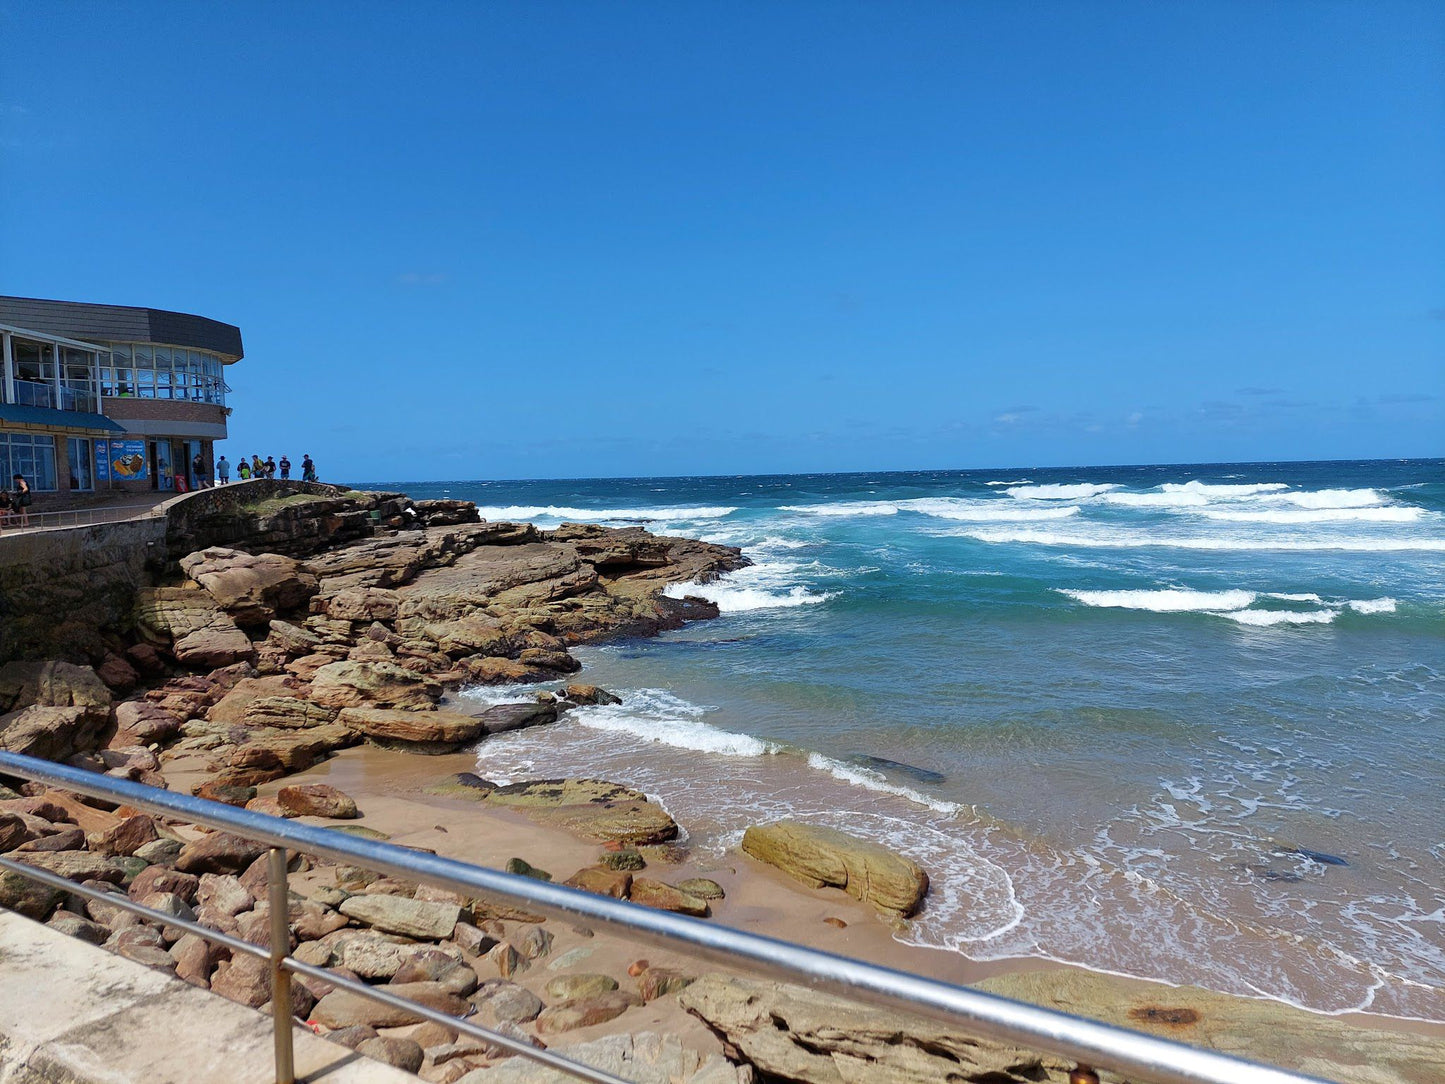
(15, 503)
(256, 467)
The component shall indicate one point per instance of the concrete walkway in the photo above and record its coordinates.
(71, 1013)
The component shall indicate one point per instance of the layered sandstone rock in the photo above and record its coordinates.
(792, 1033)
(820, 857)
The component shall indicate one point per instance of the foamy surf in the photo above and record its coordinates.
(1235, 605)
(562, 513)
(1164, 601)
(1059, 492)
(857, 776)
(658, 717)
(953, 508)
(1133, 538)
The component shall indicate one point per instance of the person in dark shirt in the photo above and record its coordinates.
(22, 499)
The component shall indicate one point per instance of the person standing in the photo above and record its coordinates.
(243, 471)
(308, 469)
(23, 498)
(257, 470)
(270, 466)
(223, 470)
(285, 466)
(198, 471)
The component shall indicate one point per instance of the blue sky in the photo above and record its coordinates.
(564, 239)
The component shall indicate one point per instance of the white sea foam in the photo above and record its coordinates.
(845, 508)
(605, 515)
(1015, 482)
(492, 695)
(1165, 601)
(765, 585)
(1210, 490)
(1059, 492)
(1233, 604)
(1265, 618)
(1182, 499)
(1132, 539)
(1334, 498)
(957, 508)
(655, 715)
(1383, 514)
(1372, 605)
(951, 508)
(871, 780)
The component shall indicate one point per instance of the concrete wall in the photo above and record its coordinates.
(63, 592)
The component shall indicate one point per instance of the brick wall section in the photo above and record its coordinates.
(125, 408)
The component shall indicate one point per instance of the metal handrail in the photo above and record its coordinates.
(12, 522)
(1145, 1057)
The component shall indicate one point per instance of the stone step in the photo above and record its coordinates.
(70, 1011)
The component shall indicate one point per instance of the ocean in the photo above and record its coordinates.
(1176, 722)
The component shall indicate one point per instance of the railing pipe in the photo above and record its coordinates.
(280, 977)
(1146, 1057)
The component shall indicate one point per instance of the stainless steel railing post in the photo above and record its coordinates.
(280, 977)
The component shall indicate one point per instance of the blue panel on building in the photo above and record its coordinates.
(60, 419)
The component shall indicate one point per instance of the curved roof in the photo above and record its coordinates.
(122, 323)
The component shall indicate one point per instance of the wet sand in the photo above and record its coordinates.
(389, 788)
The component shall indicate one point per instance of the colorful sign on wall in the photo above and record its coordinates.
(121, 460)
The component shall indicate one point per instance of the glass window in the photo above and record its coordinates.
(120, 353)
(31, 456)
(82, 463)
(27, 360)
(143, 357)
(162, 355)
(145, 383)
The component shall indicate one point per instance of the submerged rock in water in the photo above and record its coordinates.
(882, 764)
(1316, 856)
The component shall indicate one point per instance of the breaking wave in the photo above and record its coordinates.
(606, 515)
(656, 715)
(1131, 539)
(1059, 492)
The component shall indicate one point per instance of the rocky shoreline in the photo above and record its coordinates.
(327, 625)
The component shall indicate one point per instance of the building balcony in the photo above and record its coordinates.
(67, 396)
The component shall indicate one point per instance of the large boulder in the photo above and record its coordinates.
(432, 728)
(250, 587)
(1255, 1028)
(316, 800)
(52, 684)
(349, 683)
(360, 604)
(646, 1057)
(427, 919)
(188, 622)
(50, 733)
(591, 808)
(506, 717)
(218, 852)
(792, 1033)
(287, 712)
(820, 857)
(341, 1008)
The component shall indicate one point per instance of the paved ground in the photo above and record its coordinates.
(76, 1013)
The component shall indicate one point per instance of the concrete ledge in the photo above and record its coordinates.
(71, 1013)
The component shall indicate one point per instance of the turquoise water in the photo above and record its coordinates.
(1181, 722)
